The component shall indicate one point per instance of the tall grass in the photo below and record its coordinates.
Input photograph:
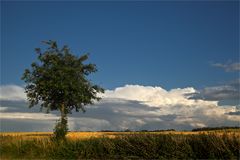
(132, 146)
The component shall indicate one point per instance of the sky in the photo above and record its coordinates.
(163, 64)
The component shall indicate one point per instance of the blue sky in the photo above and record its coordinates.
(171, 44)
(163, 64)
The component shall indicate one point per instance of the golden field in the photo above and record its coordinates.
(86, 135)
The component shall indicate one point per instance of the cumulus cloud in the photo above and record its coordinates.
(228, 67)
(12, 93)
(152, 96)
(132, 107)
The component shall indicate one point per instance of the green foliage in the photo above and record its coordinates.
(135, 146)
(58, 81)
(61, 129)
(60, 78)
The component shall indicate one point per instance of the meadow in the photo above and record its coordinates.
(224, 144)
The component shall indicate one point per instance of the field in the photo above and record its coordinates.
(224, 144)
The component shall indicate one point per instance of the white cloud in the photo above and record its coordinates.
(153, 96)
(228, 67)
(138, 107)
(12, 93)
(30, 116)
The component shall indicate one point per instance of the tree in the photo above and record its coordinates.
(58, 81)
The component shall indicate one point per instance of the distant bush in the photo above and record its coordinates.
(164, 130)
(214, 128)
(133, 146)
(106, 131)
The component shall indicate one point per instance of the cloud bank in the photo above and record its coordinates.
(132, 107)
(230, 91)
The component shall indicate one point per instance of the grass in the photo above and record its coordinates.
(122, 145)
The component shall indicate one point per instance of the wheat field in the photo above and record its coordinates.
(86, 135)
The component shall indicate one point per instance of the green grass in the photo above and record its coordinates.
(134, 146)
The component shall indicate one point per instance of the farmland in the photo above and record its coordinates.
(224, 144)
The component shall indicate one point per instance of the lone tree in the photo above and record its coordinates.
(58, 81)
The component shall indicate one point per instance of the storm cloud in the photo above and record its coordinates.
(229, 91)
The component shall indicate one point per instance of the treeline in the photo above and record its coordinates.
(167, 130)
(214, 128)
(128, 130)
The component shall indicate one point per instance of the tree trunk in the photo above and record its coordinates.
(63, 114)
(61, 127)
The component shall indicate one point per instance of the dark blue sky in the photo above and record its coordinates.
(168, 44)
